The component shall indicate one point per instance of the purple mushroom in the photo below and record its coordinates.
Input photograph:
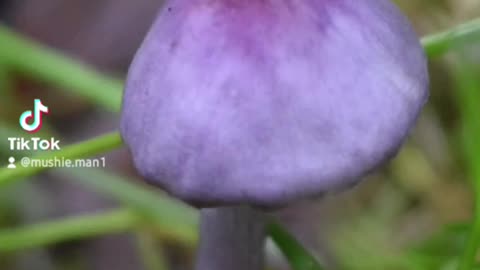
(242, 104)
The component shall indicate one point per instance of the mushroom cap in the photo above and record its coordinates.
(264, 102)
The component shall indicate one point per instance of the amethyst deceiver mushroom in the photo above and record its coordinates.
(239, 103)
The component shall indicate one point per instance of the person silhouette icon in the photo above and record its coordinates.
(12, 165)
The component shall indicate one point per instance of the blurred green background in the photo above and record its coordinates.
(415, 213)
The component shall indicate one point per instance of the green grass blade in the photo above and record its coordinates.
(469, 102)
(22, 55)
(58, 231)
(460, 35)
(298, 257)
(173, 219)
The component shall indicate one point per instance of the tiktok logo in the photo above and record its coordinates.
(36, 116)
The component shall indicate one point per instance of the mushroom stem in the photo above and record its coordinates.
(231, 238)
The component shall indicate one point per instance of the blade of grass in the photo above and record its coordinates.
(166, 217)
(439, 43)
(172, 219)
(22, 55)
(58, 231)
(298, 257)
(469, 102)
(153, 256)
